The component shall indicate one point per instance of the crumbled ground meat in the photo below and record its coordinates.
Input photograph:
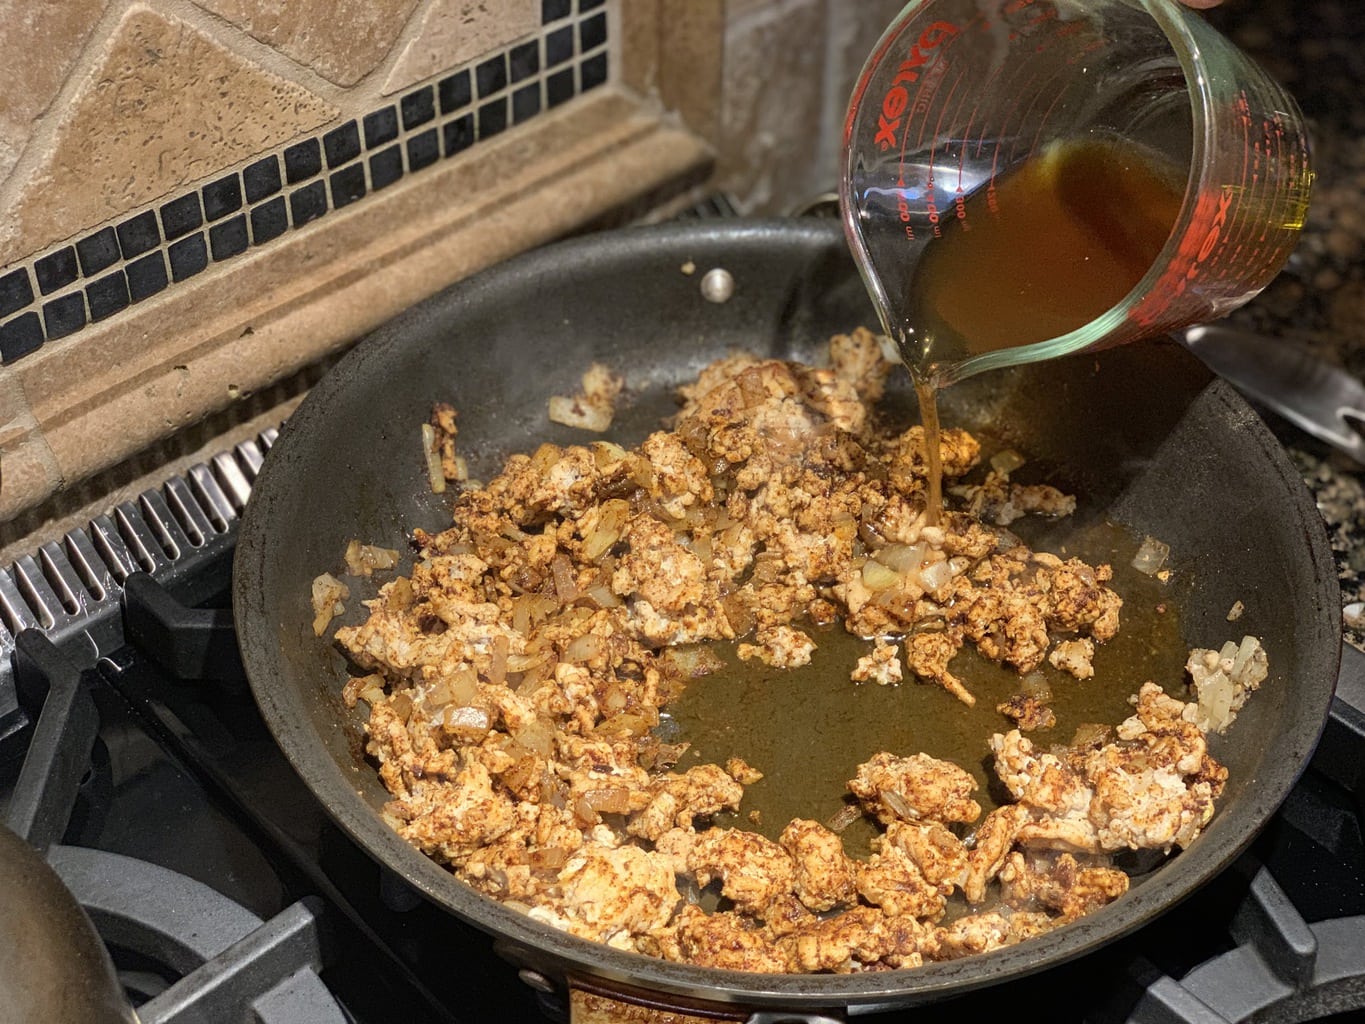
(1074, 656)
(515, 678)
(780, 647)
(1028, 712)
(882, 666)
(996, 500)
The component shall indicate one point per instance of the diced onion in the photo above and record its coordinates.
(879, 577)
(364, 559)
(1250, 645)
(546, 858)
(468, 723)
(438, 695)
(843, 817)
(544, 458)
(935, 574)
(1007, 461)
(607, 454)
(521, 614)
(536, 735)
(497, 666)
(701, 547)
(611, 523)
(609, 801)
(583, 813)
(580, 411)
(585, 648)
(898, 805)
(328, 593)
(603, 596)
(625, 724)
(902, 558)
(1151, 556)
(431, 452)
(464, 685)
(524, 662)
(369, 688)
(566, 588)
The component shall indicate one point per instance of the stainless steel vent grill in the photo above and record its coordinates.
(71, 589)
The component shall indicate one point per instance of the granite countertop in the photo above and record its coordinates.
(1315, 48)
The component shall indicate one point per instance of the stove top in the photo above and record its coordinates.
(132, 754)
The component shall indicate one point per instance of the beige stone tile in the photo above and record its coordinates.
(28, 474)
(691, 61)
(673, 50)
(453, 32)
(342, 40)
(737, 11)
(773, 105)
(39, 44)
(116, 387)
(164, 106)
(852, 35)
(15, 418)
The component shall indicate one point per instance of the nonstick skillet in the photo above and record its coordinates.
(1142, 434)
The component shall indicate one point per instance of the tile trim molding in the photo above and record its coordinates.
(60, 292)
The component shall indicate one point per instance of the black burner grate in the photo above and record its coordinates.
(227, 963)
(137, 760)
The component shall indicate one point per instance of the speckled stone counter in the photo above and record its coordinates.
(1317, 49)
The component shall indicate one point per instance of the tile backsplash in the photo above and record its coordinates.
(117, 265)
(200, 200)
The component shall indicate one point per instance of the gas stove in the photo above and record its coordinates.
(133, 758)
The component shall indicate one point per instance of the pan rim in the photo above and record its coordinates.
(519, 936)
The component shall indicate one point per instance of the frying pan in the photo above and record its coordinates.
(1142, 434)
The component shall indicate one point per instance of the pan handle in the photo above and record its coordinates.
(593, 1001)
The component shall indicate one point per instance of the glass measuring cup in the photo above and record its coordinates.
(1001, 159)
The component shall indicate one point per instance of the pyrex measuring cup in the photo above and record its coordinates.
(961, 98)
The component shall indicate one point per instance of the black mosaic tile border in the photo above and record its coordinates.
(112, 269)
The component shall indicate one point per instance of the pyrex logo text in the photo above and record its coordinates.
(1198, 245)
(897, 97)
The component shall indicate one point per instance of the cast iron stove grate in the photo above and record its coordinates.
(131, 752)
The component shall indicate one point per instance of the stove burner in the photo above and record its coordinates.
(221, 962)
(1284, 970)
(230, 964)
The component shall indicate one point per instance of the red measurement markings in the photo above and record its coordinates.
(1035, 16)
(1033, 90)
(1252, 165)
(1057, 97)
(986, 89)
(932, 210)
(1030, 89)
(927, 87)
(963, 145)
(1062, 35)
(1207, 226)
(992, 202)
